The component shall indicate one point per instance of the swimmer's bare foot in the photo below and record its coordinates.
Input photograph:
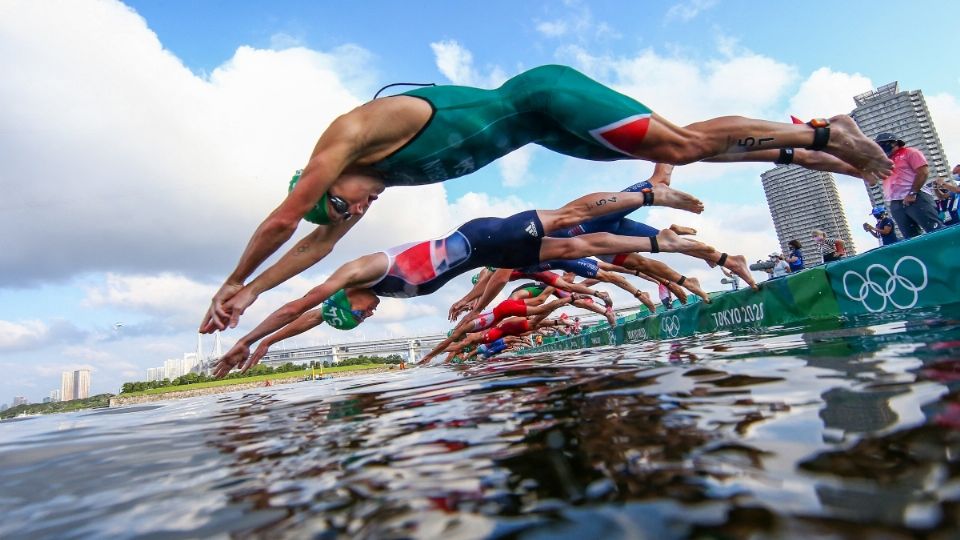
(692, 284)
(820, 161)
(849, 144)
(738, 265)
(611, 317)
(644, 299)
(664, 195)
(677, 291)
(680, 229)
(607, 301)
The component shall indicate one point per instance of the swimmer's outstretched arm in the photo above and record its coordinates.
(338, 147)
(308, 320)
(465, 303)
(354, 273)
(307, 252)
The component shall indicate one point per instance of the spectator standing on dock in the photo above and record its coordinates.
(883, 230)
(831, 249)
(948, 197)
(780, 266)
(910, 204)
(795, 257)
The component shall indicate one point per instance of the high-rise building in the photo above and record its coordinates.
(19, 400)
(67, 388)
(55, 395)
(905, 113)
(81, 383)
(802, 200)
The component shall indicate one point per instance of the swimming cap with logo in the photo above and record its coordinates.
(318, 214)
(337, 312)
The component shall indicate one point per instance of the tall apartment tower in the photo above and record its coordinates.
(905, 113)
(67, 388)
(802, 200)
(81, 383)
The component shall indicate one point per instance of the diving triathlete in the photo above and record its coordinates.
(429, 135)
(421, 268)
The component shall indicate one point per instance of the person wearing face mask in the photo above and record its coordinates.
(910, 205)
(948, 197)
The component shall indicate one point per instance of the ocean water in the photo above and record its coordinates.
(847, 429)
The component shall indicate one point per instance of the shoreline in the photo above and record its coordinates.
(120, 401)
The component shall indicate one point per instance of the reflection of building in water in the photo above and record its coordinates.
(858, 412)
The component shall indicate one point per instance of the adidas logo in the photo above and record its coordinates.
(532, 229)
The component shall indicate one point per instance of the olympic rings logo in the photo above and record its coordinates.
(878, 279)
(670, 325)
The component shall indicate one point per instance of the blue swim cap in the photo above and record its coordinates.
(878, 210)
(318, 214)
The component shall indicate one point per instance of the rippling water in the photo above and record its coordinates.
(849, 430)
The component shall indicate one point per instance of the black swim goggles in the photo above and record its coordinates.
(339, 205)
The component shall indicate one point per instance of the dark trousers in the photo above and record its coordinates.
(920, 215)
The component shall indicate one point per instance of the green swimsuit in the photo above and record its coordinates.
(554, 106)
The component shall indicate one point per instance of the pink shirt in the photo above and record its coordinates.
(906, 161)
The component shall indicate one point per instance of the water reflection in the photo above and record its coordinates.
(846, 428)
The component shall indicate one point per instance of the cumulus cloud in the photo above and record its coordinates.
(826, 93)
(21, 335)
(686, 90)
(945, 111)
(514, 167)
(122, 159)
(455, 62)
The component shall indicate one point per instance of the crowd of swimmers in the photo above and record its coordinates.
(433, 134)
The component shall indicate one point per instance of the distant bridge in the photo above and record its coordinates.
(410, 348)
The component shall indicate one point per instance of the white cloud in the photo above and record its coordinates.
(826, 93)
(456, 64)
(122, 159)
(162, 294)
(515, 166)
(552, 29)
(685, 90)
(945, 111)
(22, 335)
(689, 9)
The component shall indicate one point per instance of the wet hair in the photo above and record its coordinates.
(795, 244)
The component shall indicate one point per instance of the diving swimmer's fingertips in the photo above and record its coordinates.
(849, 144)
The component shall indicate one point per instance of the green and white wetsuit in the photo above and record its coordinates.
(554, 106)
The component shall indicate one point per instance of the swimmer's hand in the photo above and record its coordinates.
(217, 317)
(457, 308)
(238, 304)
(255, 358)
(234, 357)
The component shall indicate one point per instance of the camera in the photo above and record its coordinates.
(761, 266)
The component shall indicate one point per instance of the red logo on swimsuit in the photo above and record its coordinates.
(625, 135)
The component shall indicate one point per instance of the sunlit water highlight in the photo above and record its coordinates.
(848, 430)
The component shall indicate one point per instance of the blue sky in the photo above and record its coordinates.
(143, 142)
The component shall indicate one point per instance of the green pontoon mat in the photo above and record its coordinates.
(921, 272)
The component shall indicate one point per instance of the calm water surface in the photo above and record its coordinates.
(838, 430)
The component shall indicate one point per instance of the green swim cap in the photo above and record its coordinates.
(338, 313)
(318, 214)
(475, 278)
